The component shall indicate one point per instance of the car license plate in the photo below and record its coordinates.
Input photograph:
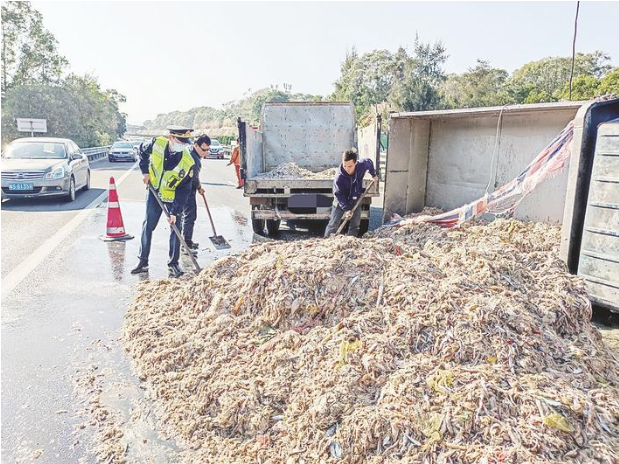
(22, 186)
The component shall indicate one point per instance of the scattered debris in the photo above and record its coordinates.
(109, 444)
(414, 345)
(293, 171)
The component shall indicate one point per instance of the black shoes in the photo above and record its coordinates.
(239, 187)
(192, 245)
(141, 267)
(175, 270)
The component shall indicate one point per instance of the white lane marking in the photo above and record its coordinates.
(17, 275)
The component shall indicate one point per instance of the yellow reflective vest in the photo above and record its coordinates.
(165, 182)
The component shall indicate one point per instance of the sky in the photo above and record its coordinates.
(167, 56)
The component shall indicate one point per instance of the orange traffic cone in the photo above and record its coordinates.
(115, 228)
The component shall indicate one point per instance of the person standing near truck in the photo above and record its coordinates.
(198, 151)
(347, 188)
(167, 167)
(235, 159)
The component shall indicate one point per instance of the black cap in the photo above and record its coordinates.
(180, 132)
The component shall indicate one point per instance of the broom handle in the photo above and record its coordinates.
(175, 229)
(209, 215)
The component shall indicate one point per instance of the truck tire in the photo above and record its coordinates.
(258, 226)
(273, 226)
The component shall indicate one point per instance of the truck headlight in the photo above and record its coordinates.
(56, 173)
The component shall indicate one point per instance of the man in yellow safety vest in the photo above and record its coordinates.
(167, 166)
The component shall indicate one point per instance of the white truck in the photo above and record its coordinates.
(313, 136)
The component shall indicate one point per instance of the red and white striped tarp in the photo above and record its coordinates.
(550, 161)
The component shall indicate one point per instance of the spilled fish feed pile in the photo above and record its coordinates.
(293, 171)
(416, 345)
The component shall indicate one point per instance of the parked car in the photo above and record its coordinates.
(122, 151)
(216, 151)
(41, 166)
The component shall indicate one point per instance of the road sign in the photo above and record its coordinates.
(31, 125)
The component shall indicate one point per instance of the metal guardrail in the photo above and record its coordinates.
(96, 153)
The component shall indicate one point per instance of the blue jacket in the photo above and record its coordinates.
(347, 189)
(196, 184)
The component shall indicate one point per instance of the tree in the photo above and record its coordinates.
(480, 86)
(406, 82)
(584, 87)
(609, 84)
(365, 80)
(29, 51)
(419, 78)
(78, 110)
(544, 80)
(261, 97)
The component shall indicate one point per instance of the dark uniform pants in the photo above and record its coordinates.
(153, 213)
(189, 216)
(336, 219)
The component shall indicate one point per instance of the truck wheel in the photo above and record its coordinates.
(258, 226)
(273, 226)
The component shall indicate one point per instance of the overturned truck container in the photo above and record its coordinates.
(446, 159)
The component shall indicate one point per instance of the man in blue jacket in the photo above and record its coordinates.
(198, 151)
(347, 188)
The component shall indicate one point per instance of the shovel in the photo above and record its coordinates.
(345, 221)
(175, 229)
(218, 241)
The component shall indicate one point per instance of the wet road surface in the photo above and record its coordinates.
(62, 322)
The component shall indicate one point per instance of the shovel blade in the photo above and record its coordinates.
(219, 242)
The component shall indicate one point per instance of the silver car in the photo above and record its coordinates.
(40, 167)
(122, 151)
(216, 151)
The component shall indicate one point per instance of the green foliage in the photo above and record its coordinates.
(78, 110)
(609, 84)
(584, 87)
(32, 87)
(223, 122)
(408, 83)
(419, 78)
(366, 80)
(545, 80)
(225, 139)
(29, 53)
(479, 86)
